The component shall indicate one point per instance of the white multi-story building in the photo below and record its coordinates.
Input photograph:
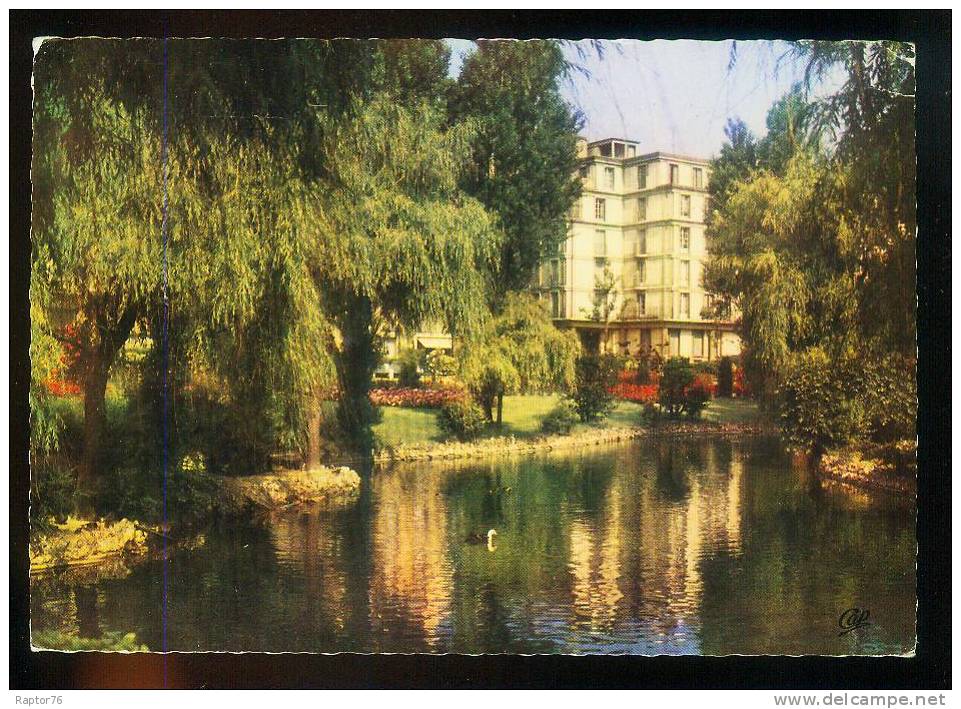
(629, 276)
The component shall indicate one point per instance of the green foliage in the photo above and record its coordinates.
(604, 301)
(705, 367)
(411, 361)
(819, 401)
(675, 381)
(594, 377)
(393, 238)
(813, 241)
(490, 375)
(725, 377)
(108, 642)
(462, 419)
(52, 490)
(891, 397)
(561, 418)
(440, 364)
(523, 152)
(519, 350)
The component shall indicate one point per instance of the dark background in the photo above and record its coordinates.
(931, 668)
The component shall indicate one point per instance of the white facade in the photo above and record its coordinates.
(640, 227)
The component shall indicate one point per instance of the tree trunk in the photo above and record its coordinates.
(313, 435)
(356, 362)
(500, 409)
(97, 370)
(94, 398)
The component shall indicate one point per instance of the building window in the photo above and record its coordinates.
(685, 238)
(555, 270)
(642, 241)
(631, 151)
(674, 339)
(642, 209)
(609, 177)
(641, 303)
(555, 304)
(685, 273)
(600, 243)
(640, 273)
(698, 178)
(675, 172)
(561, 272)
(600, 209)
(685, 305)
(642, 177)
(685, 205)
(698, 343)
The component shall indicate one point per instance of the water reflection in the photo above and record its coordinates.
(657, 547)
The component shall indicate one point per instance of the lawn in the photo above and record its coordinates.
(732, 411)
(523, 415)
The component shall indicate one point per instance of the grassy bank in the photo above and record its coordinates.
(523, 416)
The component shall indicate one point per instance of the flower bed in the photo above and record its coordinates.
(414, 398)
(638, 393)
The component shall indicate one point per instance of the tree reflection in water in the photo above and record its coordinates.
(662, 546)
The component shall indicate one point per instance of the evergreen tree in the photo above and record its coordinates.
(523, 152)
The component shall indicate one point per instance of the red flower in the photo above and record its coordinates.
(638, 393)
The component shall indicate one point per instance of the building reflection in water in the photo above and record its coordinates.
(410, 585)
(637, 563)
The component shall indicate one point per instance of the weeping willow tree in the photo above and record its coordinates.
(185, 233)
(519, 349)
(395, 242)
(95, 235)
(812, 236)
(247, 315)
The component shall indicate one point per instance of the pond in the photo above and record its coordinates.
(650, 547)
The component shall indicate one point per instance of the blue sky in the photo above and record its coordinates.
(675, 95)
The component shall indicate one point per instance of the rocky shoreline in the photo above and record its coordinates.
(288, 488)
(850, 467)
(101, 547)
(511, 445)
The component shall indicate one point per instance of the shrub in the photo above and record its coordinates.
(561, 419)
(740, 388)
(52, 490)
(594, 377)
(725, 377)
(819, 401)
(411, 362)
(440, 364)
(698, 393)
(677, 377)
(704, 367)
(462, 418)
(109, 641)
(891, 398)
(683, 390)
